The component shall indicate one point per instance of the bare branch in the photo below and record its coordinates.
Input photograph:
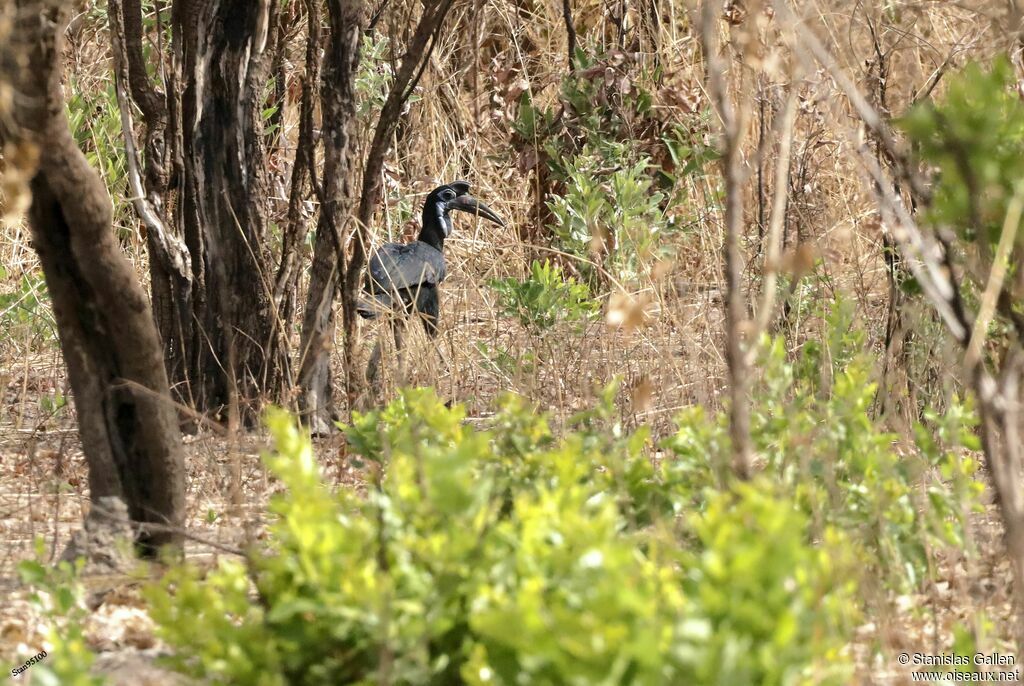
(172, 251)
(570, 33)
(996, 278)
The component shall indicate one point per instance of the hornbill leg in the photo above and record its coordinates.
(398, 331)
(429, 307)
(428, 303)
(373, 366)
(430, 310)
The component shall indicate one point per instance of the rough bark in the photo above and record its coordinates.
(338, 105)
(203, 199)
(224, 67)
(110, 344)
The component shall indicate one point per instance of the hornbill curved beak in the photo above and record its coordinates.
(467, 203)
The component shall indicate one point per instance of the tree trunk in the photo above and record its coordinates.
(338, 104)
(204, 199)
(110, 345)
(224, 68)
(331, 272)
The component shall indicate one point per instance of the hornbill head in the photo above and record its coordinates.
(455, 196)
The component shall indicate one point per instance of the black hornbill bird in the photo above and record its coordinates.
(402, 278)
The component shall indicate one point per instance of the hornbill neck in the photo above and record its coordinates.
(432, 232)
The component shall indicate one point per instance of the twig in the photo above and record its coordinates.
(570, 33)
(996, 278)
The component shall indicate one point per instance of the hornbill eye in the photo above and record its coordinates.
(448, 195)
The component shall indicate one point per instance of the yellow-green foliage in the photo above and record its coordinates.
(505, 556)
(60, 596)
(813, 426)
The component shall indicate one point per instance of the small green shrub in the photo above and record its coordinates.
(508, 556)
(812, 425)
(545, 298)
(615, 156)
(613, 213)
(60, 596)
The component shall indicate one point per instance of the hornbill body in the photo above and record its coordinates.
(402, 278)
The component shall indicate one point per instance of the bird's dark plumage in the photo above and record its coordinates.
(403, 278)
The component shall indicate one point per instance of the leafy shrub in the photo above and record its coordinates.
(813, 426)
(614, 213)
(61, 597)
(506, 556)
(545, 298)
(614, 156)
(773, 607)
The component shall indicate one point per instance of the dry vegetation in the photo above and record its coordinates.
(460, 124)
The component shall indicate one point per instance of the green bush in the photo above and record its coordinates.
(813, 426)
(775, 608)
(507, 556)
(618, 160)
(545, 298)
(60, 596)
(615, 213)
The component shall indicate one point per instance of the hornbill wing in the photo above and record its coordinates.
(399, 267)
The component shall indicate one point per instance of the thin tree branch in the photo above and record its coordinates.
(733, 120)
(172, 251)
(570, 33)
